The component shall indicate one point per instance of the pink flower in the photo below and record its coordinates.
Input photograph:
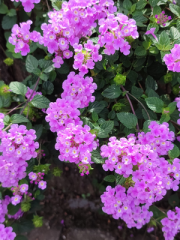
(16, 199)
(151, 31)
(42, 185)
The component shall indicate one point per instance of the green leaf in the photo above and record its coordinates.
(156, 10)
(110, 178)
(12, 12)
(18, 88)
(175, 34)
(164, 42)
(38, 128)
(174, 200)
(20, 237)
(17, 118)
(43, 76)
(153, 3)
(6, 120)
(172, 107)
(136, 92)
(140, 51)
(8, 22)
(12, 209)
(96, 157)
(164, 118)
(174, 153)
(48, 87)
(129, 120)
(39, 101)
(22, 226)
(105, 128)
(151, 83)
(64, 69)
(112, 92)
(31, 63)
(96, 106)
(127, 4)
(3, 9)
(175, 9)
(44, 63)
(155, 104)
(120, 179)
(49, 69)
(157, 214)
(141, 4)
(145, 126)
(94, 116)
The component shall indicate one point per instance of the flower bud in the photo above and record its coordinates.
(120, 79)
(37, 221)
(8, 61)
(25, 206)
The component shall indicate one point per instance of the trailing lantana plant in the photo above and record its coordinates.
(120, 61)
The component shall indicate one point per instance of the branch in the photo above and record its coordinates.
(132, 108)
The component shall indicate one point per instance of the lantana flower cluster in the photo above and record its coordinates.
(120, 205)
(61, 113)
(172, 60)
(148, 175)
(76, 143)
(18, 193)
(85, 57)
(4, 210)
(162, 18)
(6, 233)
(171, 224)
(37, 178)
(30, 94)
(27, 4)
(21, 37)
(78, 88)
(113, 33)
(17, 146)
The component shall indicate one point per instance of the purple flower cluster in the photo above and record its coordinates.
(113, 32)
(76, 143)
(61, 113)
(27, 4)
(19, 192)
(171, 224)
(6, 233)
(79, 89)
(148, 175)
(162, 18)
(85, 57)
(118, 204)
(159, 138)
(21, 37)
(30, 92)
(37, 178)
(4, 210)
(172, 60)
(16, 147)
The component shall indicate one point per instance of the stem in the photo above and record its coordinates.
(13, 109)
(141, 104)
(132, 108)
(175, 124)
(7, 127)
(48, 5)
(30, 96)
